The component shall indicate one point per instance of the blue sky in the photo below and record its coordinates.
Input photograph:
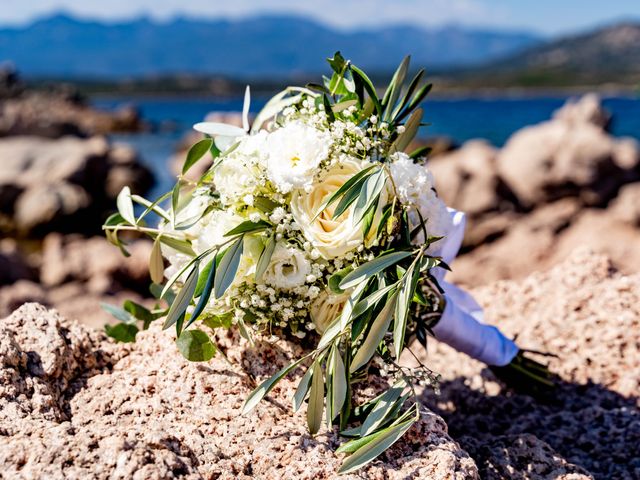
(545, 16)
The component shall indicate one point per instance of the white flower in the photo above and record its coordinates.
(331, 237)
(294, 153)
(288, 268)
(415, 187)
(326, 308)
(240, 173)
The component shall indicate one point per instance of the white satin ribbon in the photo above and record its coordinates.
(462, 324)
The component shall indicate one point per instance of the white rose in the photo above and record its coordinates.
(287, 269)
(415, 187)
(293, 155)
(333, 237)
(326, 308)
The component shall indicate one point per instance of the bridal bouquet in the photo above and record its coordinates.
(311, 223)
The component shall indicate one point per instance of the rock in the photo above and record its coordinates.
(21, 291)
(467, 180)
(586, 313)
(64, 185)
(567, 156)
(96, 263)
(467, 177)
(626, 206)
(143, 411)
(535, 234)
(585, 109)
(57, 112)
(13, 265)
(521, 457)
(548, 236)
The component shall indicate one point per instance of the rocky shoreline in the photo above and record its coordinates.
(164, 417)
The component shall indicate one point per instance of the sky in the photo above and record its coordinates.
(551, 17)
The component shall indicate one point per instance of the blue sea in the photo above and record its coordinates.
(459, 119)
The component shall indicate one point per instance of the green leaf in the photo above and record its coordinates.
(140, 312)
(224, 320)
(357, 178)
(122, 332)
(371, 268)
(316, 399)
(393, 90)
(411, 129)
(369, 194)
(248, 227)
(156, 264)
(405, 297)
(302, 390)
(228, 268)
(383, 408)
(125, 205)
(205, 294)
(327, 107)
(420, 152)
(183, 298)
(371, 301)
(336, 278)
(265, 387)
(348, 81)
(265, 258)
(183, 246)
(338, 107)
(196, 346)
(376, 333)
(412, 86)
(377, 445)
(152, 206)
(273, 107)
(118, 313)
(338, 382)
(195, 153)
(369, 87)
(265, 204)
(415, 101)
(337, 62)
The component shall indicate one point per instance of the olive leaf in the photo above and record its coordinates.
(374, 446)
(376, 333)
(371, 268)
(228, 267)
(195, 153)
(316, 399)
(156, 264)
(183, 298)
(125, 205)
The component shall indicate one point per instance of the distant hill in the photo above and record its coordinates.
(65, 46)
(607, 55)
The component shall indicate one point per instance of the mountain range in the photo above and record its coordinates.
(64, 46)
(610, 54)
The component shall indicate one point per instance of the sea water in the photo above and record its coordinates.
(459, 119)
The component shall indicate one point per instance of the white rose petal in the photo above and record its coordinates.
(331, 237)
(288, 268)
(293, 155)
(326, 308)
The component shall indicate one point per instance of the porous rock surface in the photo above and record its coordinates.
(589, 315)
(74, 405)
